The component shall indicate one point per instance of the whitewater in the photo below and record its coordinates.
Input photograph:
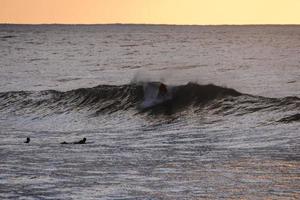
(229, 128)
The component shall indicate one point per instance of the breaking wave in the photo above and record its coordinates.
(105, 99)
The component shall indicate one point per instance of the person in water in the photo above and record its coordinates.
(27, 140)
(78, 142)
(162, 90)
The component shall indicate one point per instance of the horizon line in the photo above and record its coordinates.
(143, 24)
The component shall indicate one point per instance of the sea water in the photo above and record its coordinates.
(230, 130)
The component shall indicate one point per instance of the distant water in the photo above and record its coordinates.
(229, 128)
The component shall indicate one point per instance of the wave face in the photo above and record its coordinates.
(109, 99)
(98, 99)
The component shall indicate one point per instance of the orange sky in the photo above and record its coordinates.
(151, 11)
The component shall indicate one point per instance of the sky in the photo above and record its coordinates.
(200, 12)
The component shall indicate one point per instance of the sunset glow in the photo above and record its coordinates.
(150, 11)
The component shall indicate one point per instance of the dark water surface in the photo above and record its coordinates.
(228, 130)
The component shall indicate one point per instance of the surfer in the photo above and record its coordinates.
(162, 90)
(154, 94)
(27, 140)
(78, 142)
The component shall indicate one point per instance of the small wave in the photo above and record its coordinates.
(8, 36)
(292, 118)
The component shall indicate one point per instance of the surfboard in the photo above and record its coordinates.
(148, 103)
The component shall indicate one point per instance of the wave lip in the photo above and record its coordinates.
(196, 93)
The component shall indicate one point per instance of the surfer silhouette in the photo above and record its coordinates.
(27, 140)
(162, 90)
(78, 142)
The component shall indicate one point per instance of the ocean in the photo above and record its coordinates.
(226, 127)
